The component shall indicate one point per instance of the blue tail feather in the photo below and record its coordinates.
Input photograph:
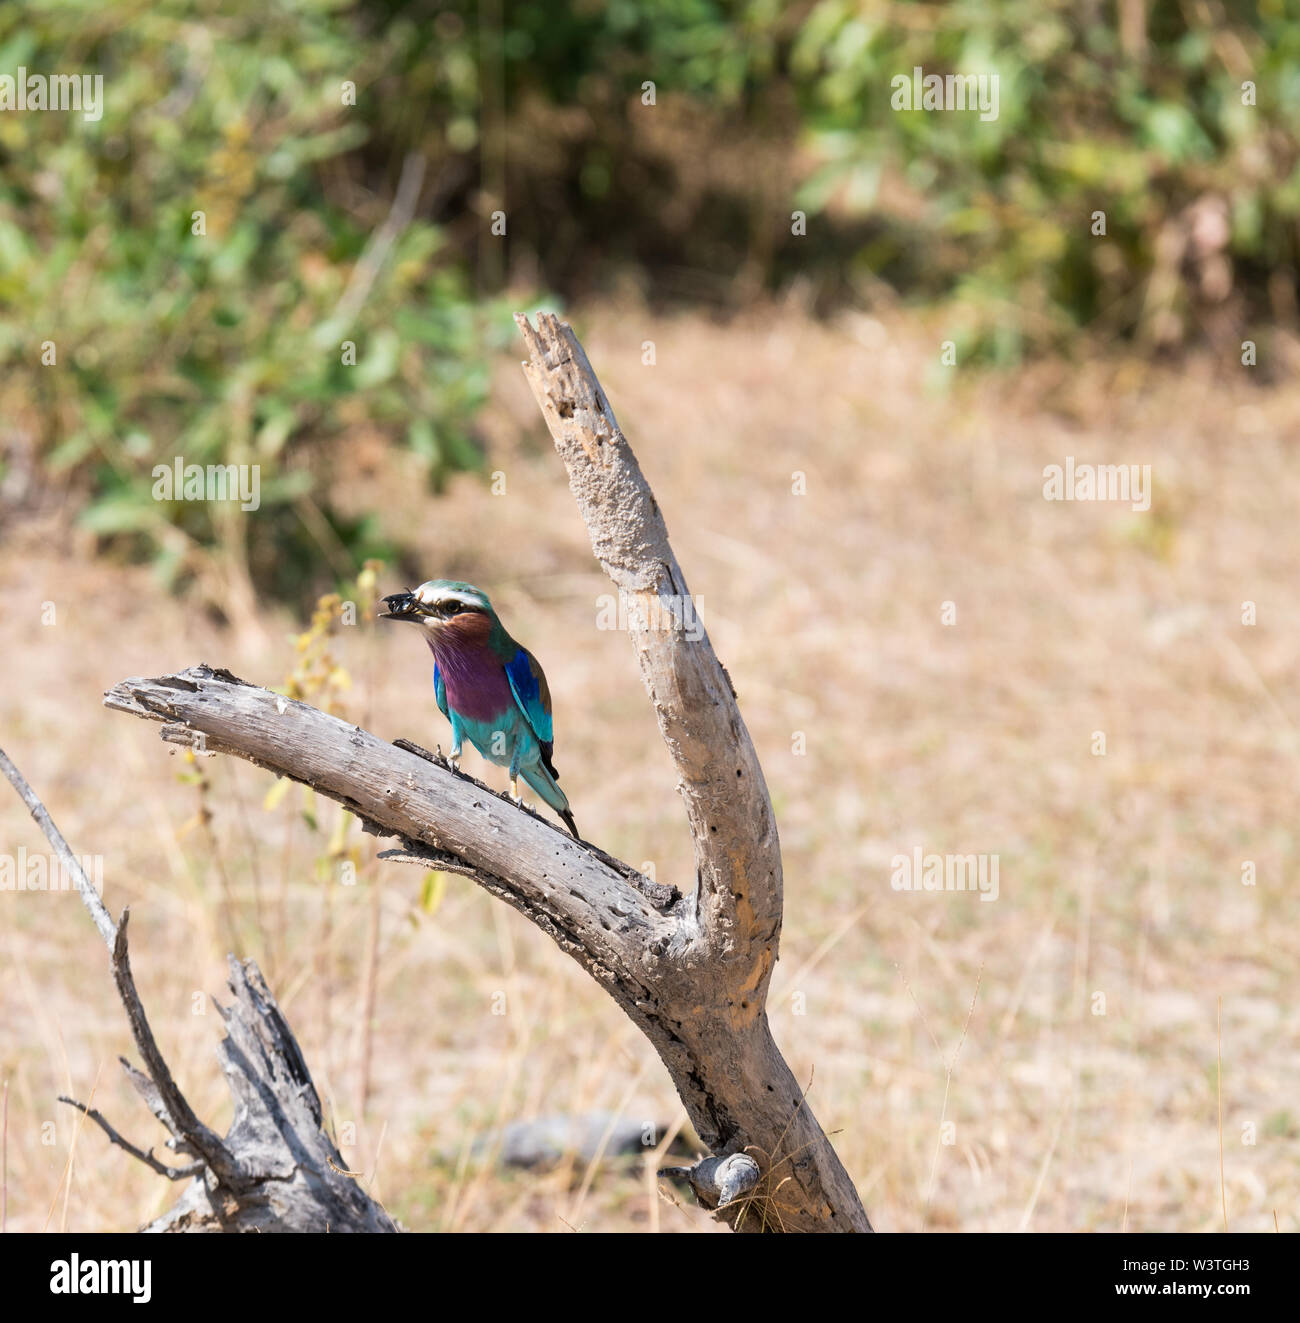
(541, 780)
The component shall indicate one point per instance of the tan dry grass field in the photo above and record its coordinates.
(1120, 874)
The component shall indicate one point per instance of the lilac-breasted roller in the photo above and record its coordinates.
(489, 688)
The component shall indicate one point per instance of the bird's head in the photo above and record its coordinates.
(441, 603)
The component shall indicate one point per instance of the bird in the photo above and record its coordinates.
(492, 691)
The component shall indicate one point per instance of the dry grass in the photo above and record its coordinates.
(1120, 874)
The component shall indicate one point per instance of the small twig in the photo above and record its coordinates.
(179, 1116)
(89, 896)
(171, 1173)
(152, 1099)
(436, 758)
(183, 1123)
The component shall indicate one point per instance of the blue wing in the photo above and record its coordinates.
(440, 691)
(533, 695)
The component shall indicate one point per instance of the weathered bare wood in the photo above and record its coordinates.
(160, 1168)
(753, 1100)
(737, 852)
(295, 1177)
(276, 1169)
(639, 939)
(591, 907)
(691, 972)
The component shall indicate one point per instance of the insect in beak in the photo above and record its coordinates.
(401, 606)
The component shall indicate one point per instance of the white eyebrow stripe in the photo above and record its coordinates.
(446, 595)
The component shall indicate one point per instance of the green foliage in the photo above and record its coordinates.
(189, 255)
(220, 339)
(1139, 110)
(998, 214)
(1177, 122)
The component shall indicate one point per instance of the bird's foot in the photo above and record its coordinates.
(453, 760)
(515, 796)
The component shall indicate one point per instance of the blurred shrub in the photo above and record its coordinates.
(198, 257)
(226, 346)
(1136, 110)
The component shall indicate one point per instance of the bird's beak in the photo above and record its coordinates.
(402, 606)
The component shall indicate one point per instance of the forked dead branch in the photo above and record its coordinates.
(690, 970)
(276, 1169)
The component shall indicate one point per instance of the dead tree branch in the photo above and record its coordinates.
(691, 972)
(276, 1169)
